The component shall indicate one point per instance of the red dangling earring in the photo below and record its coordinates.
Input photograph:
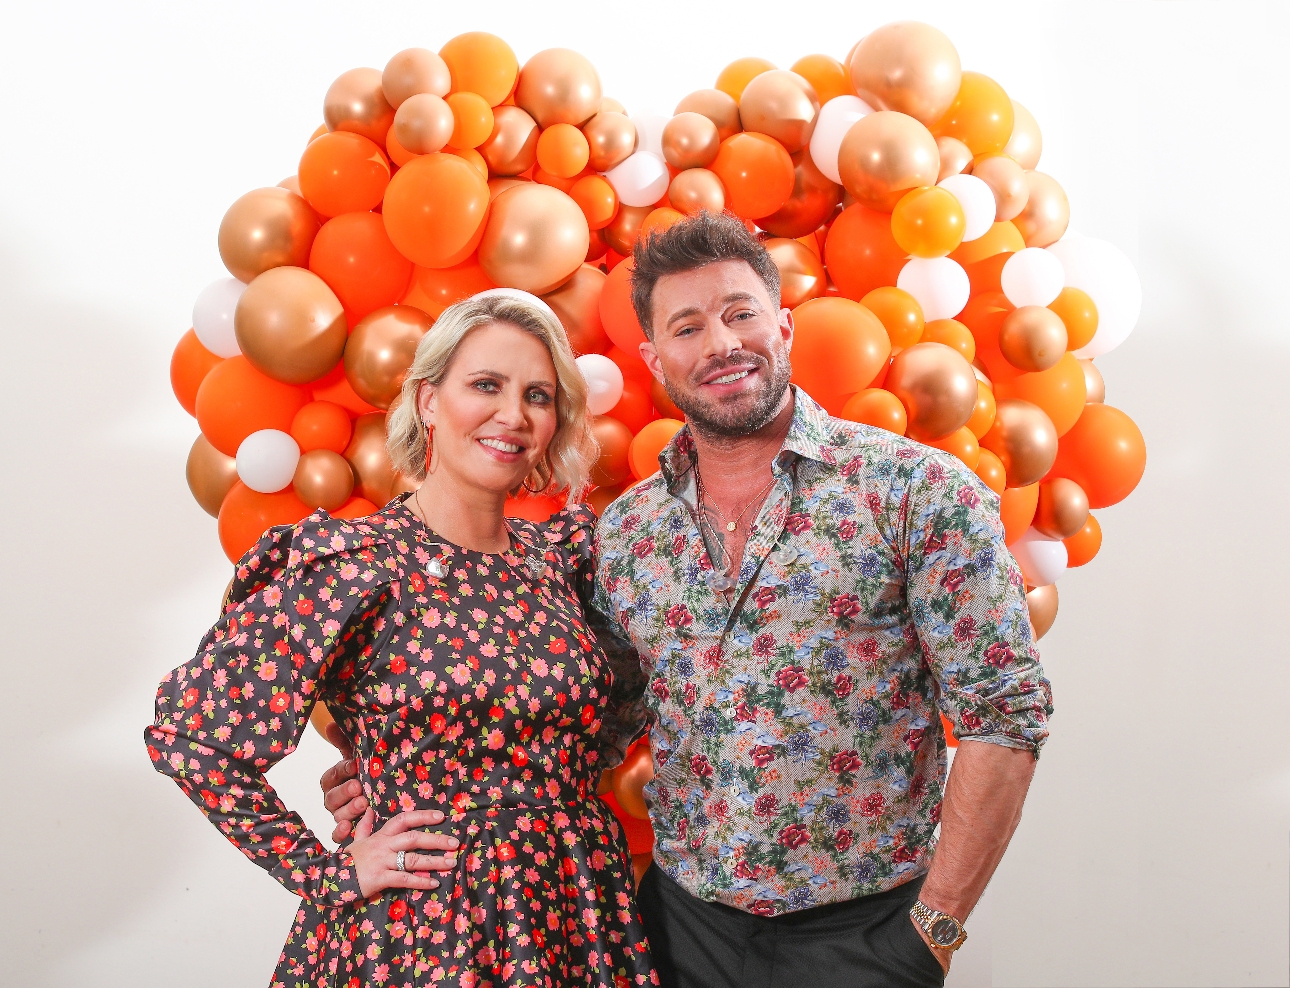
(429, 446)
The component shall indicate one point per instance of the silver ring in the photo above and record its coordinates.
(398, 861)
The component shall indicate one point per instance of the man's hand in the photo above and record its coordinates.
(943, 956)
(344, 797)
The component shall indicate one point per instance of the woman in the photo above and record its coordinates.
(450, 645)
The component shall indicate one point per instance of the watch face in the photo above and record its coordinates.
(945, 931)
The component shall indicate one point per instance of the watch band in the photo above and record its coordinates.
(943, 930)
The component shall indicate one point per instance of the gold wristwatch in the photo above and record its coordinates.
(945, 932)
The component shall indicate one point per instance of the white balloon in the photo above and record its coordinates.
(213, 316)
(1042, 559)
(266, 460)
(649, 132)
(604, 382)
(831, 125)
(940, 285)
(640, 179)
(977, 201)
(1107, 274)
(1032, 276)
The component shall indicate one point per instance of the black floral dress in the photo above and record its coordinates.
(478, 692)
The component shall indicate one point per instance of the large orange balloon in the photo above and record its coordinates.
(616, 312)
(530, 507)
(355, 256)
(1084, 544)
(1060, 391)
(1104, 453)
(245, 515)
(860, 252)
(981, 115)
(321, 425)
(649, 442)
(236, 400)
(812, 203)
(635, 409)
(757, 174)
(481, 63)
(435, 209)
(335, 388)
(342, 172)
(876, 407)
(928, 222)
(597, 200)
(1017, 509)
(189, 365)
(899, 312)
(839, 347)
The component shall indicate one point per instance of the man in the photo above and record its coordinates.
(787, 603)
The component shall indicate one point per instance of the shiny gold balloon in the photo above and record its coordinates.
(782, 105)
(1041, 602)
(210, 475)
(323, 479)
(291, 183)
(610, 105)
(1047, 212)
(423, 123)
(512, 146)
(1032, 338)
(380, 351)
(801, 272)
(1094, 383)
(907, 66)
(496, 186)
(694, 190)
(614, 439)
(559, 86)
(403, 484)
(414, 71)
(1062, 510)
(630, 779)
(266, 228)
(1026, 142)
(355, 102)
(690, 140)
(937, 387)
(577, 306)
(1007, 181)
(956, 158)
(611, 137)
(290, 325)
(320, 717)
(625, 227)
(717, 106)
(366, 454)
(814, 199)
(535, 239)
(1024, 439)
(884, 155)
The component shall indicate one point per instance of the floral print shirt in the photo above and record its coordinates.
(799, 754)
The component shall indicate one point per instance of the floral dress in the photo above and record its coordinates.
(468, 682)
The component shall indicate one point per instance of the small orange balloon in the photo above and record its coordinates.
(435, 209)
(928, 222)
(472, 119)
(839, 348)
(562, 150)
(826, 74)
(615, 439)
(735, 77)
(189, 365)
(649, 442)
(342, 172)
(1017, 510)
(860, 252)
(475, 158)
(635, 409)
(235, 400)
(662, 401)
(321, 425)
(448, 286)
(986, 275)
(757, 174)
(1084, 544)
(981, 115)
(335, 388)
(953, 334)
(245, 515)
(481, 63)
(400, 156)
(960, 443)
(876, 407)
(1104, 453)
(983, 414)
(355, 507)
(814, 201)
(659, 220)
(899, 312)
(1078, 312)
(616, 312)
(1001, 238)
(1060, 391)
(990, 469)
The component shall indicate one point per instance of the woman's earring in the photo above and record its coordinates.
(429, 446)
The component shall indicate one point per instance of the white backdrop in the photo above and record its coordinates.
(1154, 846)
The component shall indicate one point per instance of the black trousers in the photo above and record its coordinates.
(864, 942)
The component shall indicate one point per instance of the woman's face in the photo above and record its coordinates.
(494, 413)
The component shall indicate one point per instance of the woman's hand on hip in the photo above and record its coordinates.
(376, 855)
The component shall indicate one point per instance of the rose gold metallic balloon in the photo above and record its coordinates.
(403, 484)
(717, 106)
(496, 186)
(266, 228)
(1026, 142)
(356, 102)
(884, 155)
(694, 190)
(630, 779)
(413, 71)
(690, 140)
(1062, 510)
(614, 439)
(577, 306)
(782, 105)
(624, 229)
(936, 386)
(1032, 338)
(290, 325)
(611, 137)
(366, 454)
(380, 351)
(812, 203)
(1094, 384)
(291, 183)
(559, 86)
(956, 158)
(536, 238)
(423, 123)
(512, 146)
(1007, 181)
(1047, 212)
(610, 105)
(907, 66)
(210, 475)
(1024, 439)
(801, 272)
(323, 479)
(1041, 602)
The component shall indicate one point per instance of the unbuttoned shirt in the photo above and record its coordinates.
(798, 751)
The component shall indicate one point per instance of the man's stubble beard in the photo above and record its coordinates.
(737, 419)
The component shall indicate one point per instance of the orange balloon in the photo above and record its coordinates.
(630, 778)
(983, 414)
(981, 115)
(649, 442)
(354, 255)
(960, 443)
(596, 198)
(562, 150)
(576, 304)
(435, 209)
(532, 508)
(189, 365)
(1104, 453)
(472, 120)
(335, 388)
(1079, 312)
(355, 507)
(475, 159)
(1001, 238)
(245, 515)
(986, 274)
(814, 201)
(899, 313)
(1017, 510)
(990, 469)
(860, 252)
(757, 174)
(342, 172)
(928, 222)
(826, 74)
(397, 152)
(660, 219)
(481, 63)
(631, 364)
(1084, 544)
(663, 403)
(321, 425)
(616, 312)
(839, 347)
(447, 286)
(953, 334)
(635, 409)
(1060, 391)
(615, 439)
(735, 76)
(876, 407)
(235, 400)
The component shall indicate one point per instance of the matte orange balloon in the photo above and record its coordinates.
(1017, 510)
(649, 442)
(1084, 544)
(245, 515)
(983, 414)
(981, 115)
(336, 389)
(355, 507)
(757, 174)
(635, 409)
(472, 119)
(355, 256)
(448, 286)
(1060, 391)
(1001, 238)
(953, 334)
(235, 400)
(435, 209)
(928, 222)
(474, 158)
(876, 407)
(597, 200)
(986, 275)
(631, 364)
(615, 439)
(481, 63)
(562, 150)
(400, 156)
(321, 425)
(663, 403)
(735, 76)
(189, 365)
(531, 507)
(990, 469)
(616, 312)
(899, 313)
(839, 347)
(1104, 453)
(860, 252)
(630, 779)
(342, 172)
(660, 219)
(1079, 313)
(826, 74)
(960, 443)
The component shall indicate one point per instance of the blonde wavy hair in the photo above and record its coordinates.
(572, 450)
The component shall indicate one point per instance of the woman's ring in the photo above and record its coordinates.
(398, 861)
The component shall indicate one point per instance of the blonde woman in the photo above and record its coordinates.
(451, 646)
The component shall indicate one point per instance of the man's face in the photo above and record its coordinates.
(720, 347)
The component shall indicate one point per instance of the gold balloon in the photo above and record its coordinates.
(937, 387)
(801, 272)
(1026, 142)
(266, 228)
(512, 146)
(690, 140)
(291, 183)
(717, 106)
(630, 779)
(323, 479)
(210, 475)
(1041, 602)
(814, 199)
(614, 439)
(320, 717)
(577, 305)
(782, 105)
(1032, 338)
(535, 239)
(366, 454)
(381, 349)
(403, 484)
(1047, 212)
(355, 102)
(624, 229)
(956, 157)
(1094, 383)
(290, 325)
(907, 66)
(414, 71)
(611, 137)
(423, 123)
(1062, 510)
(559, 86)
(694, 190)
(610, 105)
(496, 186)
(1007, 181)
(1024, 439)
(884, 155)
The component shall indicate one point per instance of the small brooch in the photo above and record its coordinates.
(536, 567)
(435, 569)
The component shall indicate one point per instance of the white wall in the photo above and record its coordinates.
(1154, 847)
